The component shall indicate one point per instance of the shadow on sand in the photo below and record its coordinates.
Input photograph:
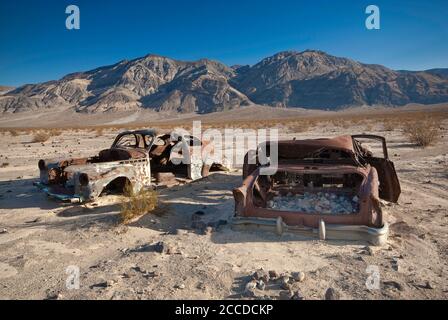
(208, 201)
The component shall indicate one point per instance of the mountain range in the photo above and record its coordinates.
(309, 79)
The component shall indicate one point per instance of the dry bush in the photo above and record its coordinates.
(344, 124)
(14, 133)
(355, 121)
(299, 126)
(41, 137)
(368, 126)
(99, 132)
(136, 203)
(423, 133)
(55, 132)
(389, 125)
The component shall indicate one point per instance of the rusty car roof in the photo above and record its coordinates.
(303, 148)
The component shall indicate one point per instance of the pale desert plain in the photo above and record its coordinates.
(40, 237)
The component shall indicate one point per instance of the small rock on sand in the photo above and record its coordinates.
(249, 289)
(261, 275)
(297, 296)
(331, 294)
(261, 285)
(180, 286)
(286, 295)
(273, 274)
(299, 276)
(162, 247)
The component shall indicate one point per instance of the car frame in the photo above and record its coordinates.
(133, 162)
(317, 163)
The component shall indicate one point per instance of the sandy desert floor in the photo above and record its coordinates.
(40, 238)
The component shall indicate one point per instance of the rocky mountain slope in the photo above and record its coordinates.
(309, 79)
(315, 79)
(5, 89)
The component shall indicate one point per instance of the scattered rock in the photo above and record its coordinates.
(284, 283)
(111, 283)
(273, 274)
(299, 276)
(180, 286)
(396, 265)
(261, 285)
(426, 285)
(326, 202)
(251, 285)
(297, 296)
(54, 296)
(261, 275)
(249, 289)
(331, 294)
(162, 247)
(99, 285)
(369, 251)
(217, 224)
(394, 284)
(200, 286)
(124, 250)
(286, 295)
(208, 230)
(4, 230)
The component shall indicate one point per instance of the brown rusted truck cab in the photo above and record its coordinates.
(329, 188)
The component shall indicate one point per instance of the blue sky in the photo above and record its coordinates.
(36, 46)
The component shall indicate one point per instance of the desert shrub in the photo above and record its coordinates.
(136, 204)
(55, 132)
(99, 132)
(422, 133)
(389, 125)
(299, 126)
(41, 137)
(14, 133)
(368, 125)
(344, 124)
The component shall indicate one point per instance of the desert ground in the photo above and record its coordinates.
(161, 256)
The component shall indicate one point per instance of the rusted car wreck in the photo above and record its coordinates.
(326, 188)
(135, 157)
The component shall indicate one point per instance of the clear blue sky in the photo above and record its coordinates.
(36, 46)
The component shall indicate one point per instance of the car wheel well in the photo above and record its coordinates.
(116, 186)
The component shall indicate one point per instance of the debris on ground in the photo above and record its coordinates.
(332, 294)
(298, 276)
(162, 247)
(314, 203)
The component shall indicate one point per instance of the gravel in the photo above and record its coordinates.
(314, 203)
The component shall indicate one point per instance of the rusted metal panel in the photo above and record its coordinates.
(369, 214)
(314, 161)
(335, 151)
(132, 158)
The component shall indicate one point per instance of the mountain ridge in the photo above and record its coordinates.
(307, 79)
